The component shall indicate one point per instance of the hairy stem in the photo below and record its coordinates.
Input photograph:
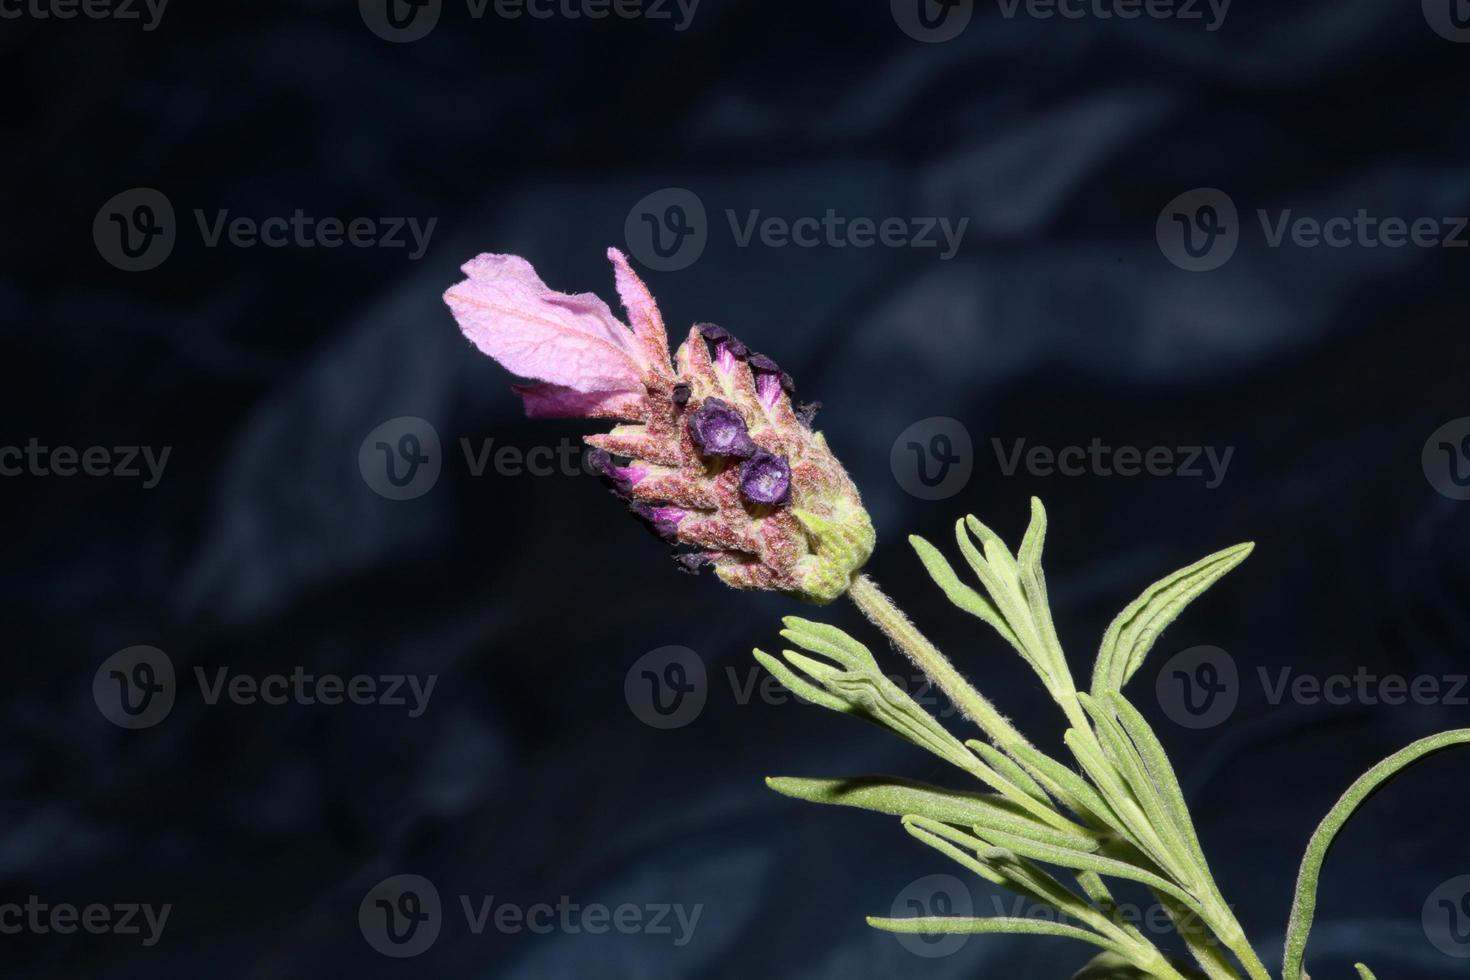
(883, 614)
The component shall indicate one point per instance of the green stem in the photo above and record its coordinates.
(883, 614)
(1304, 907)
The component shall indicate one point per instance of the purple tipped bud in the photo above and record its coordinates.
(692, 561)
(718, 430)
(663, 521)
(765, 478)
(622, 479)
(680, 394)
(770, 380)
(727, 349)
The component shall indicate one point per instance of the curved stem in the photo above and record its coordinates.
(1304, 907)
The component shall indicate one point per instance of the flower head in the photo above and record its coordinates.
(709, 451)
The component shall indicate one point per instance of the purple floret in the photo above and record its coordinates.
(719, 430)
(770, 380)
(620, 479)
(765, 478)
(726, 348)
(693, 561)
(663, 521)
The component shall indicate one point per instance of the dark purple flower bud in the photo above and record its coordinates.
(621, 479)
(681, 394)
(692, 561)
(718, 430)
(663, 521)
(765, 478)
(806, 413)
(770, 380)
(727, 349)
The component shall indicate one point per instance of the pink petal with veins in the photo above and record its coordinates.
(572, 340)
(643, 314)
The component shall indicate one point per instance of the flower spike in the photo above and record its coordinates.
(708, 451)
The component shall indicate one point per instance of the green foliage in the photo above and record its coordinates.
(1120, 813)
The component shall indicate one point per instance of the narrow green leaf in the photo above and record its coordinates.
(959, 593)
(1035, 539)
(901, 797)
(1304, 906)
(925, 925)
(1008, 768)
(1132, 634)
(1123, 757)
(1364, 973)
(1014, 872)
(1083, 861)
(799, 687)
(1074, 791)
(1157, 762)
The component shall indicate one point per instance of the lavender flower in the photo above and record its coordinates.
(681, 424)
(765, 478)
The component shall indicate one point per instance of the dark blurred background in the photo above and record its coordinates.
(1130, 266)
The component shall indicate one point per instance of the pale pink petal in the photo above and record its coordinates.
(643, 314)
(572, 340)
(547, 401)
